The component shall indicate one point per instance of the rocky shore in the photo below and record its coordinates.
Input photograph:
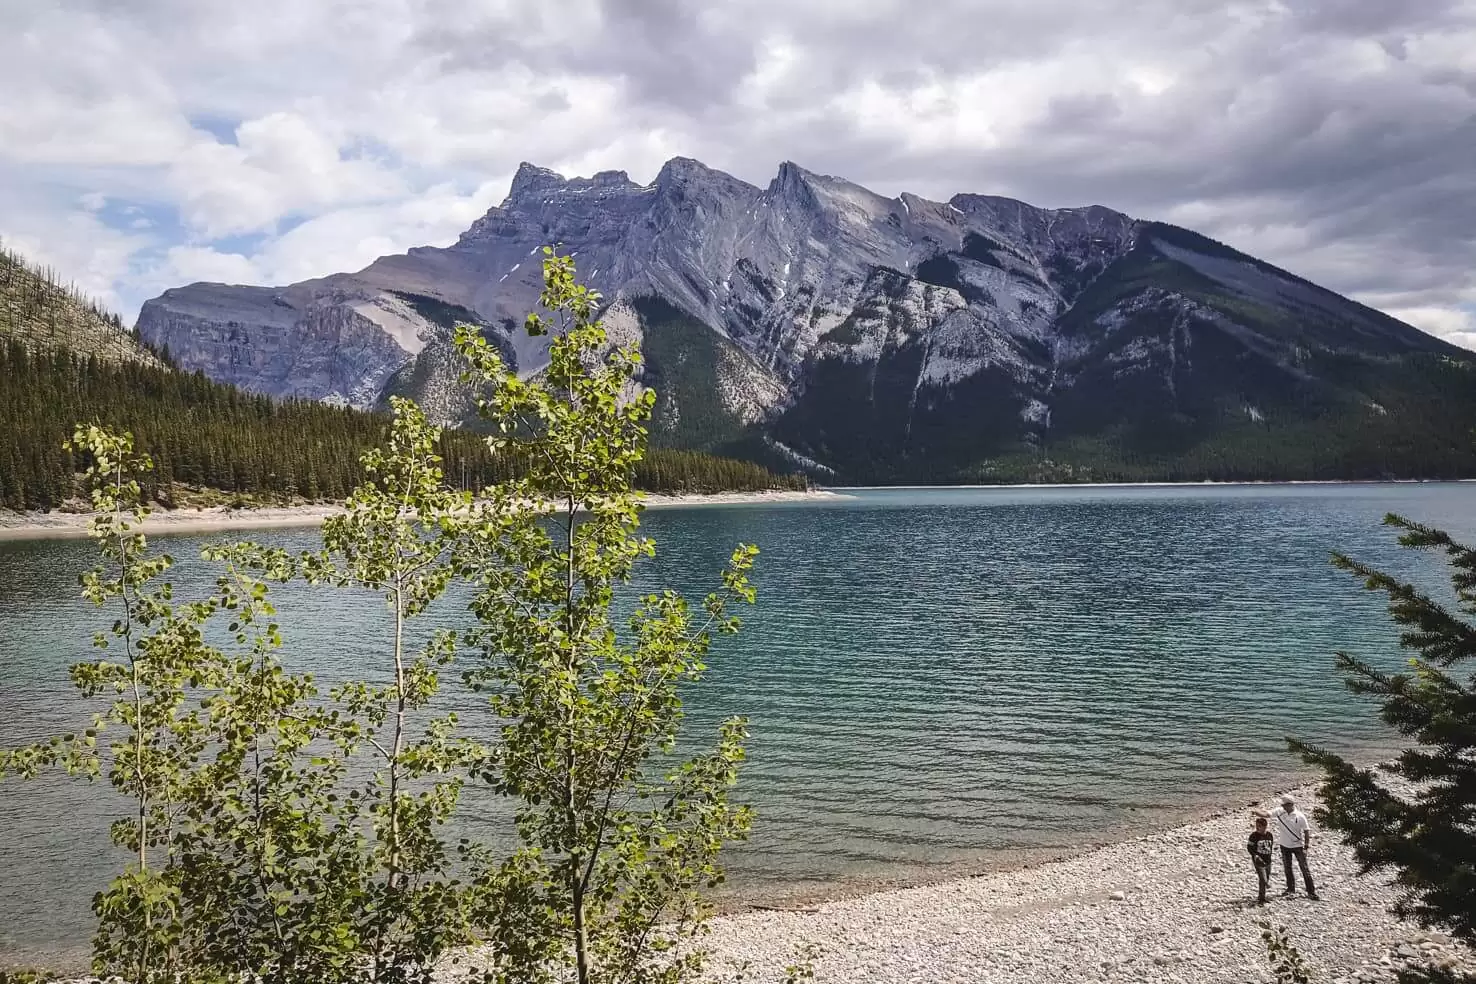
(1171, 906)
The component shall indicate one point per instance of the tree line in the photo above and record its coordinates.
(202, 434)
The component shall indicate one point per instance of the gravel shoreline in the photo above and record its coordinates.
(66, 525)
(1173, 906)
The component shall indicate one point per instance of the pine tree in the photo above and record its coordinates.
(206, 434)
(1426, 834)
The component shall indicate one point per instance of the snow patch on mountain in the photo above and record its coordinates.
(803, 461)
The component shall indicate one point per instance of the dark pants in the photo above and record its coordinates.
(1263, 874)
(1300, 853)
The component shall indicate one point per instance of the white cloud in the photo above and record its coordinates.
(1453, 324)
(74, 243)
(188, 264)
(344, 239)
(352, 238)
(280, 165)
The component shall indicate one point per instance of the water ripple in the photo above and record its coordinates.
(930, 675)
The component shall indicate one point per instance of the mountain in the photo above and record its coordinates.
(37, 310)
(880, 339)
(65, 360)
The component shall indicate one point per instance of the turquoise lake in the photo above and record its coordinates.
(938, 680)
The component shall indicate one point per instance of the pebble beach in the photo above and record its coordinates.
(1174, 906)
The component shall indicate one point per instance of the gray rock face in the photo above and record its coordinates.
(773, 269)
(310, 341)
(821, 295)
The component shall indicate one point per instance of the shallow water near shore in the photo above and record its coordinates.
(938, 681)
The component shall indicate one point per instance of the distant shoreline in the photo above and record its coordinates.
(1157, 485)
(69, 525)
(64, 525)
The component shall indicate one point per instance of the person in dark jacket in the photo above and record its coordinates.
(1259, 845)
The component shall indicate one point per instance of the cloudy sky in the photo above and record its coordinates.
(148, 143)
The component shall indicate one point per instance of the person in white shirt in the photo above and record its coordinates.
(1293, 835)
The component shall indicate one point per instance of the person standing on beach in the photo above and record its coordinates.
(1293, 835)
(1259, 846)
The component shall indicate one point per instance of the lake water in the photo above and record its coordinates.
(938, 680)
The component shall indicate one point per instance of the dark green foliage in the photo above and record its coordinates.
(1409, 419)
(619, 836)
(1187, 239)
(408, 380)
(281, 834)
(1309, 315)
(1070, 279)
(683, 364)
(203, 434)
(1423, 837)
(1286, 960)
(1192, 380)
(942, 271)
(1170, 392)
(199, 433)
(990, 403)
(28, 976)
(1140, 268)
(1131, 429)
(981, 249)
(856, 413)
(755, 278)
(882, 428)
(670, 470)
(64, 358)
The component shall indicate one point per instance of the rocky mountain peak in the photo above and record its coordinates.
(531, 181)
(791, 175)
(865, 332)
(792, 184)
(686, 169)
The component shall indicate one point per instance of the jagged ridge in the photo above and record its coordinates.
(882, 337)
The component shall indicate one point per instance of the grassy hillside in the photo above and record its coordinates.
(40, 312)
